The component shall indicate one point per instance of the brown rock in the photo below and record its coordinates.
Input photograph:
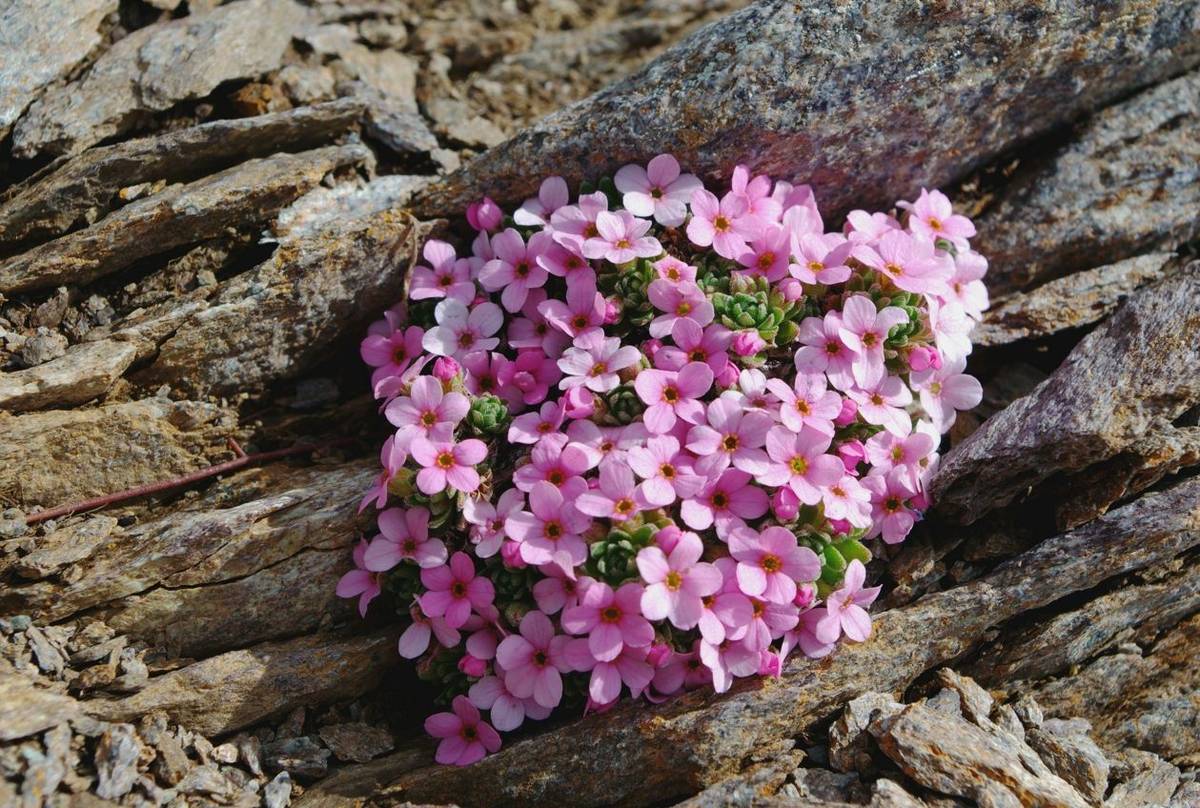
(156, 67)
(83, 373)
(849, 742)
(357, 742)
(182, 214)
(1075, 759)
(116, 761)
(1140, 369)
(26, 709)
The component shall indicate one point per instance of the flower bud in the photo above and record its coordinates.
(612, 311)
(806, 595)
(651, 347)
(472, 666)
(840, 526)
(445, 368)
(484, 215)
(659, 654)
(510, 554)
(727, 377)
(848, 414)
(791, 289)
(580, 403)
(667, 538)
(770, 664)
(922, 357)
(852, 452)
(785, 505)
(747, 343)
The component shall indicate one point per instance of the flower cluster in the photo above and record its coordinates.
(646, 436)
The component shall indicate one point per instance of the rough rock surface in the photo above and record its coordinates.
(40, 42)
(1148, 357)
(81, 374)
(851, 99)
(142, 74)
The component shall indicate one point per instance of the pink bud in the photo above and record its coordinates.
(612, 311)
(472, 666)
(785, 504)
(659, 654)
(770, 664)
(727, 376)
(922, 357)
(840, 526)
(791, 289)
(747, 343)
(806, 595)
(445, 368)
(668, 537)
(935, 361)
(484, 214)
(579, 403)
(852, 452)
(510, 554)
(848, 414)
(651, 347)
(920, 501)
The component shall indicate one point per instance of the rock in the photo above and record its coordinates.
(112, 447)
(81, 190)
(750, 786)
(1075, 301)
(357, 742)
(46, 771)
(1152, 787)
(1147, 356)
(12, 524)
(63, 547)
(889, 794)
(181, 214)
(48, 658)
(302, 756)
(1129, 181)
(250, 750)
(637, 752)
(208, 781)
(40, 42)
(1075, 759)
(849, 742)
(849, 99)
(320, 287)
(172, 763)
(395, 124)
(233, 690)
(80, 374)
(41, 348)
(116, 761)
(278, 792)
(156, 67)
(324, 211)
(26, 709)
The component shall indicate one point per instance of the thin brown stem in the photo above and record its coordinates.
(242, 460)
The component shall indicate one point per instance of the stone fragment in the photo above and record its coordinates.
(181, 214)
(48, 658)
(82, 189)
(1148, 357)
(847, 98)
(82, 373)
(26, 709)
(849, 742)
(63, 547)
(302, 757)
(278, 792)
(116, 761)
(42, 347)
(40, 42)
(1075, 759)
(156, 67)
(357, 742)
(1129, 181)
(1152, 787)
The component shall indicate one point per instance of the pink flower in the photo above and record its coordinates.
(847, 499)
(620, 238)
(445, 369)
(529, 378)
(945, 390)
(483, 372)
(549, 532)
(571, 225)
(808, 402)
(612, 620)
(747, 343)
(966, 284)
(404, 537)
(756, 191)
(672, 269)
(806, 638)
(725, 501)
(732, 436)
(725, 225)
(865, 330)
(865, 228)
(892, 516)
(615, 497)
(769, 255)
(557, 461)
(728, 661)
(594, 360)
(533, 426)
(845, 608)
(426, 412)
(390, 351)
(557, 590)
(515, 269)
(455, 590)
(727, 612)
(693, 343)
(667, 472)
(484, 215)
(769, 621)
(539, 210)
(534, 661)
(677, 583)
(824, 352)
(415, 639)
(882, 404)
(907, 262)
(392, 458)
(450, 276)
(671, 395)
(487, 520)
(886, 451)
(821, 258)
(447, 463)
(683, 300)
(460, 331)
(657, 190)
(800, 463)
(507, 711)
(465, 737)
(629, 668)
(770, 563)
(583, 309)
(932, 217)
(359, 582)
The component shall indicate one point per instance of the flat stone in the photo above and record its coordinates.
(156, 67)
(278, 792)
(1076, 759)
(178, 215)
(26, 709)
(1147, 356)
(302, 757)
(849, 742)
(116, 761)
(357, 742)
(42, 348)
(81, 374)
(40, 42)
(868, 101)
